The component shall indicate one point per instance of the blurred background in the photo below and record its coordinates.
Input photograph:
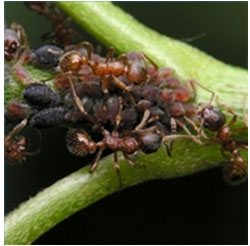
(198, 209)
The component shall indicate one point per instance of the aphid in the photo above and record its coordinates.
(40, 96)
(16, 111)
(15, 146)
(46, 56)
(49, 117)
(14, 40)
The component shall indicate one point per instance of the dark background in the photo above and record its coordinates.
(199, 209)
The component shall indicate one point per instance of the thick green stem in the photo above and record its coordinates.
(80, 189)
(114, 27)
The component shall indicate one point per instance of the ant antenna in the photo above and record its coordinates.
(16, 129)
(203, 87)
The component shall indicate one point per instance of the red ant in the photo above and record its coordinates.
(15, 147)
(214, 120)
(79, 143)
(74, 63)
(61, 34)
(16, 48)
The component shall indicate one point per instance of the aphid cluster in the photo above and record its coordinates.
(122, 104)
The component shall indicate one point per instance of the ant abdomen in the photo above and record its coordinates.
(212, 117)
(150, 142)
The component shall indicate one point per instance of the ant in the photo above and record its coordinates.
(79, 142)
(214, 120)
(74, 63)
(16, 48)
(61, 35)
(15, 147)
(14, 40)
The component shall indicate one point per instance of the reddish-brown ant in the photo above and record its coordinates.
(79, 142)
(16, 48)
(15, 146)
(214, 120)
(74, 63)
(61, 34)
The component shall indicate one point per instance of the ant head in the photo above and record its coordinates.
(70, 61)
(79, 143)
(15, 149)
(212, 117)
(11, 43)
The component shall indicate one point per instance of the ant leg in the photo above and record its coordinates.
(118, 117)
(174, 137)
(180, 124)
(79, 104)
(229, 110)
(168, 148)
(189, 135)
(190, 87)
(85, 44)
(131, 162)
(105, 84)
(120, 85)
(20, 72)
(173, 126)
(95, 163)
(16, 129)
(151, 61)
(203, 87)
(143, 121)
(122, 58)
(117, 169)
(198, 130)
(110, 54)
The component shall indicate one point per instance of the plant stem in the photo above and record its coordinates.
(78, 190)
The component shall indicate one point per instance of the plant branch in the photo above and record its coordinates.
(113, 27)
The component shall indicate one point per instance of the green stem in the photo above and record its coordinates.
(114, 27)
